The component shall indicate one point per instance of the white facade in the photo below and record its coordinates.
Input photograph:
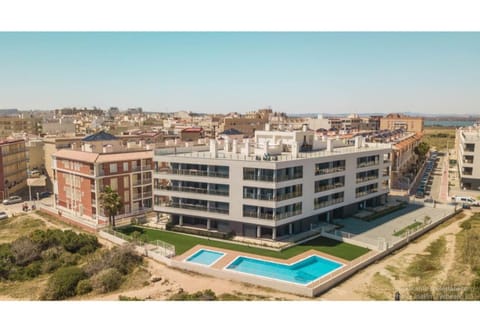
(269, 188)
(468, 157)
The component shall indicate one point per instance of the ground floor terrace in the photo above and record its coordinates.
(244, 228)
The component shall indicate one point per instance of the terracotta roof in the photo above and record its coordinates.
(192, 130)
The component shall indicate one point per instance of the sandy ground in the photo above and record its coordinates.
(356, 287)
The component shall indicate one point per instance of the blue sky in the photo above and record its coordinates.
(432, 73)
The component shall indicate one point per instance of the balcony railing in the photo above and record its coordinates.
(329, 187)
(193, 172)
(195, 207)
(367, 178)
(271, 178)
(366, 192)
(138, 168)
(323, 204)
(194, 190)
(271, 216)
(323, 171)
(367, 164)
(141, 182)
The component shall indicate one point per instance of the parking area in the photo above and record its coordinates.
(14, 209)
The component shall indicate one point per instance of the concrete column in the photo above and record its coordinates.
(259, 231)
(328, 216)
(208, 224)
(274, 233)
(180, 220)
(290, 229)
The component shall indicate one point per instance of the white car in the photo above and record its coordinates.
(12, 200)
(3, 215)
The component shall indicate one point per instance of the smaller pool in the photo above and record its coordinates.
(205, 257)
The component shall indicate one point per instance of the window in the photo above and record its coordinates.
(125, 166)
(114, 184)
(113, 168)
(126, 195)
(126, 182)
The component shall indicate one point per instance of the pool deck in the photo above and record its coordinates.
(231, 255)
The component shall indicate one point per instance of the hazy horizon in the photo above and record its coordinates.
(297, 73)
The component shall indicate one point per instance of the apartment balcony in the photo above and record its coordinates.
(138, 168)
(329, 187)
(194, 172)
(367, 164)
(366, 192)
(195, 207)
(143, 182)
(329, 170)
(330, 202)
(194, 190)
(271, 216)
(367, 178)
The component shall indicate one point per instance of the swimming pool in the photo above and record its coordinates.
(205, 257)
(302, 272)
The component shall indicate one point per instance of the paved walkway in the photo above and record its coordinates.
(382, 229)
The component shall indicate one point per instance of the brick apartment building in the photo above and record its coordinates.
(80, 176)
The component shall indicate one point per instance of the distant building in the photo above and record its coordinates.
(80, 176)
(399, 121)
(191, 134)
(249, 123)
(468, 157)
(12, 124)
(13, 168)
(58, 126)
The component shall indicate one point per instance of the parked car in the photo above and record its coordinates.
(466, 206)
(35, 174)
(12, 200)
(3, 215)
(44, 194)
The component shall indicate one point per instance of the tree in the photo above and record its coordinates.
(421, 149)
(111, 202)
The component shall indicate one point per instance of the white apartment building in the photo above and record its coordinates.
(279, 184)
(468, 157)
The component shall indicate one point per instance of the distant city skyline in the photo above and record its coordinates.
(296, 73)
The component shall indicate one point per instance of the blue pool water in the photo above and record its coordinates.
(205, 257)
(301, 272)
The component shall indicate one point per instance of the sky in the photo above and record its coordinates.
(297, 72)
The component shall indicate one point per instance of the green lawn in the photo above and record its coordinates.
(184, 242)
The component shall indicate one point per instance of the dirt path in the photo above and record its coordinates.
(174, 279)
(358, 286)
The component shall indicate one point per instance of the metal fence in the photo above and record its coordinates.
(157, 246)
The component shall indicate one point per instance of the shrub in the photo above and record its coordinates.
(6, 260)
(24, 251)
(467, 224)
(84, 286)
(82, 243)
(63, 283)
(123, 258)
(107, 280)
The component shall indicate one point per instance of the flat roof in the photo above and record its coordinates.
(94, 157)
(221, 154)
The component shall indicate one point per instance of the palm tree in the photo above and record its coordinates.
(111, 202)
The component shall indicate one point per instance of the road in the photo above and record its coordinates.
(14, 209)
